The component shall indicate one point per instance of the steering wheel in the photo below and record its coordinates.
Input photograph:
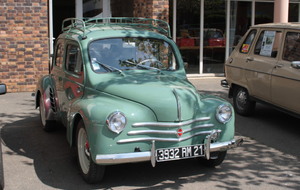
(151, 60)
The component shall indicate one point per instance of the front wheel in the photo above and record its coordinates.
(242, 103)
(91, 172)
(216, 159)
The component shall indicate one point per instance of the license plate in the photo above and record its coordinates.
(176, 153)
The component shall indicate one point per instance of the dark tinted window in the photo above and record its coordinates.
(73, 59)
(291, 47)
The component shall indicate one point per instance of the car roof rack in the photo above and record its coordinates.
(84, 24)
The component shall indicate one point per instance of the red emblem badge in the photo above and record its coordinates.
(179, 132)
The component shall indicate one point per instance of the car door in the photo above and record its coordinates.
(261, 62)
(73, 79)
(237, 63)
(285, 85)
(57, 72)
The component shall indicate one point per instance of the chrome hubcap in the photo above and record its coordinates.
(241, 99)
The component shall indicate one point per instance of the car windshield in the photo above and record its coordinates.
(109, 55)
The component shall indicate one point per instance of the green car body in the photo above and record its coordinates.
(159, 108)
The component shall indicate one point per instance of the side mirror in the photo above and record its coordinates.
(186, 65)
(296, 64)
(2, 89)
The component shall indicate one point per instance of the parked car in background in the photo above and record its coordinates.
(265, 67)
(2, 91)
(214, 37)
(119, 87)
(190, 37)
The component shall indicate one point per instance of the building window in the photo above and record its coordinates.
(121, 8)
(92, 8)
(188, 32)
(214, 36)
(264, 12)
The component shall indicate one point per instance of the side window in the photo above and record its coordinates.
(59, 55)
(291, 47)
(248, 42)
(268, 43)
(73, 59)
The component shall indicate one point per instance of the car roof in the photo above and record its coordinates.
(290, 25)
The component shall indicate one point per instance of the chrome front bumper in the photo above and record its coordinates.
(108, 159)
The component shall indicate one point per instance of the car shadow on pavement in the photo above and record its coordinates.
(55, 164)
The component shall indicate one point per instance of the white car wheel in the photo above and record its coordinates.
(83, 151)
(91, 172)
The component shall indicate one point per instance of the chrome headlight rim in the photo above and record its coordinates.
(224, 113)
(116, 122)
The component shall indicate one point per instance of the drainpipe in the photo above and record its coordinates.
(50, 17)
(281, 11)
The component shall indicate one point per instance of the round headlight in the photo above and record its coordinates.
(223, 113)
(116, 122)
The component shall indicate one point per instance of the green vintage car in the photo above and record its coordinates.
(119, 87)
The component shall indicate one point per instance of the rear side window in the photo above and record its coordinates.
(268, 43)
(291, 47)
(59, 55)
(73, 59)
(245, 48)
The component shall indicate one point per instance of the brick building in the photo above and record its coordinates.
(23, 43)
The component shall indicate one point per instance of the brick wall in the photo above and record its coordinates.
(23, 43)
(157, 9)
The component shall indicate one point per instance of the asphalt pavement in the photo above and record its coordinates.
(34, 159)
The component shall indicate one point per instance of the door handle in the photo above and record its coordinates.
(248, 59)
(278, 66)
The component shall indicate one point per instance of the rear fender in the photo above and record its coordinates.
(45, 90)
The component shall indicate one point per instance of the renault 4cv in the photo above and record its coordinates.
(119, 87)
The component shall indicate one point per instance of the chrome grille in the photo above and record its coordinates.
(170, 134)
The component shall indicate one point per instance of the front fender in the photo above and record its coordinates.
(94, 111)
(210, 105)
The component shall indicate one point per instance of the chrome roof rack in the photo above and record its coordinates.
(82, 25)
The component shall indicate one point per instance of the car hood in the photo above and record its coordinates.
(169, 97)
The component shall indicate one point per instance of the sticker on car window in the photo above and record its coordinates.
(267, 43)
(129, 45)
(245, 48)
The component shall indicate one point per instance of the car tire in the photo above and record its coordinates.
(47, 125)
(216, 159)
(242, 103)
(91, 172)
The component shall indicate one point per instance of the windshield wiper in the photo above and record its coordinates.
(108, 67)
(142, 66)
